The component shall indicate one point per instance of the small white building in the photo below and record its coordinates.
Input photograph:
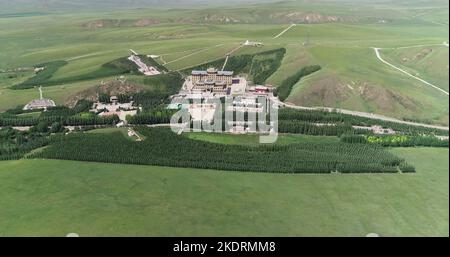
(251, 43)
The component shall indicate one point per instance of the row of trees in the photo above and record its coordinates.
(335, 117)
(44, 78)
(163, 147)
(121, 98)
(157, 116)
(67, 121)
(91, 120)
(300, 127)
(285, 88)
(264, 65)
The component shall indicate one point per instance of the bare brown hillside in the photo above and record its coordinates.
(112, 88)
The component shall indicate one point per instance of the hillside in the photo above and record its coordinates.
(359, 90)
(428, 62)
(35, 7)
(338, 37)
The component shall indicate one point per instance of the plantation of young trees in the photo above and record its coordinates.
(163, 147)
(308, 128)
(156, 116)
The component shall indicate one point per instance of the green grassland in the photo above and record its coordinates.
(254, 139)
(60, 94)
(353, 79)
(45, 197)
(186, 38)
(429, 63)
(52, 197)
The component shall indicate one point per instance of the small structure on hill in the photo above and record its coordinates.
(251, 43)
(40, 103)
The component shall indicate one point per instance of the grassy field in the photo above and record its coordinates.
(60, 94)
(427, 62)
(351, 78)
(254, 139)
(124, 132)
(50, 197)
(43, 197)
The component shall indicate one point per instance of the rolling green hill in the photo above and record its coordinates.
(427, 62)
(338, 37)
(84, 45)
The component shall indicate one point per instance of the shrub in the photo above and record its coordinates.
(406, 168)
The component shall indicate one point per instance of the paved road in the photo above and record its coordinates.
(344, 111)
(377, 52)
(362, 114)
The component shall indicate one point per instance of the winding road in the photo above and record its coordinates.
(377, 52)
(360, 114)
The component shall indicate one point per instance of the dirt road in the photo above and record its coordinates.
(377, 52)
(191, 54)
(282, 32)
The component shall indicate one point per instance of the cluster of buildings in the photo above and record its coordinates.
(378, 130)
(214, 83)
(122, 110)
(202, 89)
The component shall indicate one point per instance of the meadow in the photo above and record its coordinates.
(45, 194)
(351, 76)
(428, 62)
(57, 197)
(253, 140)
